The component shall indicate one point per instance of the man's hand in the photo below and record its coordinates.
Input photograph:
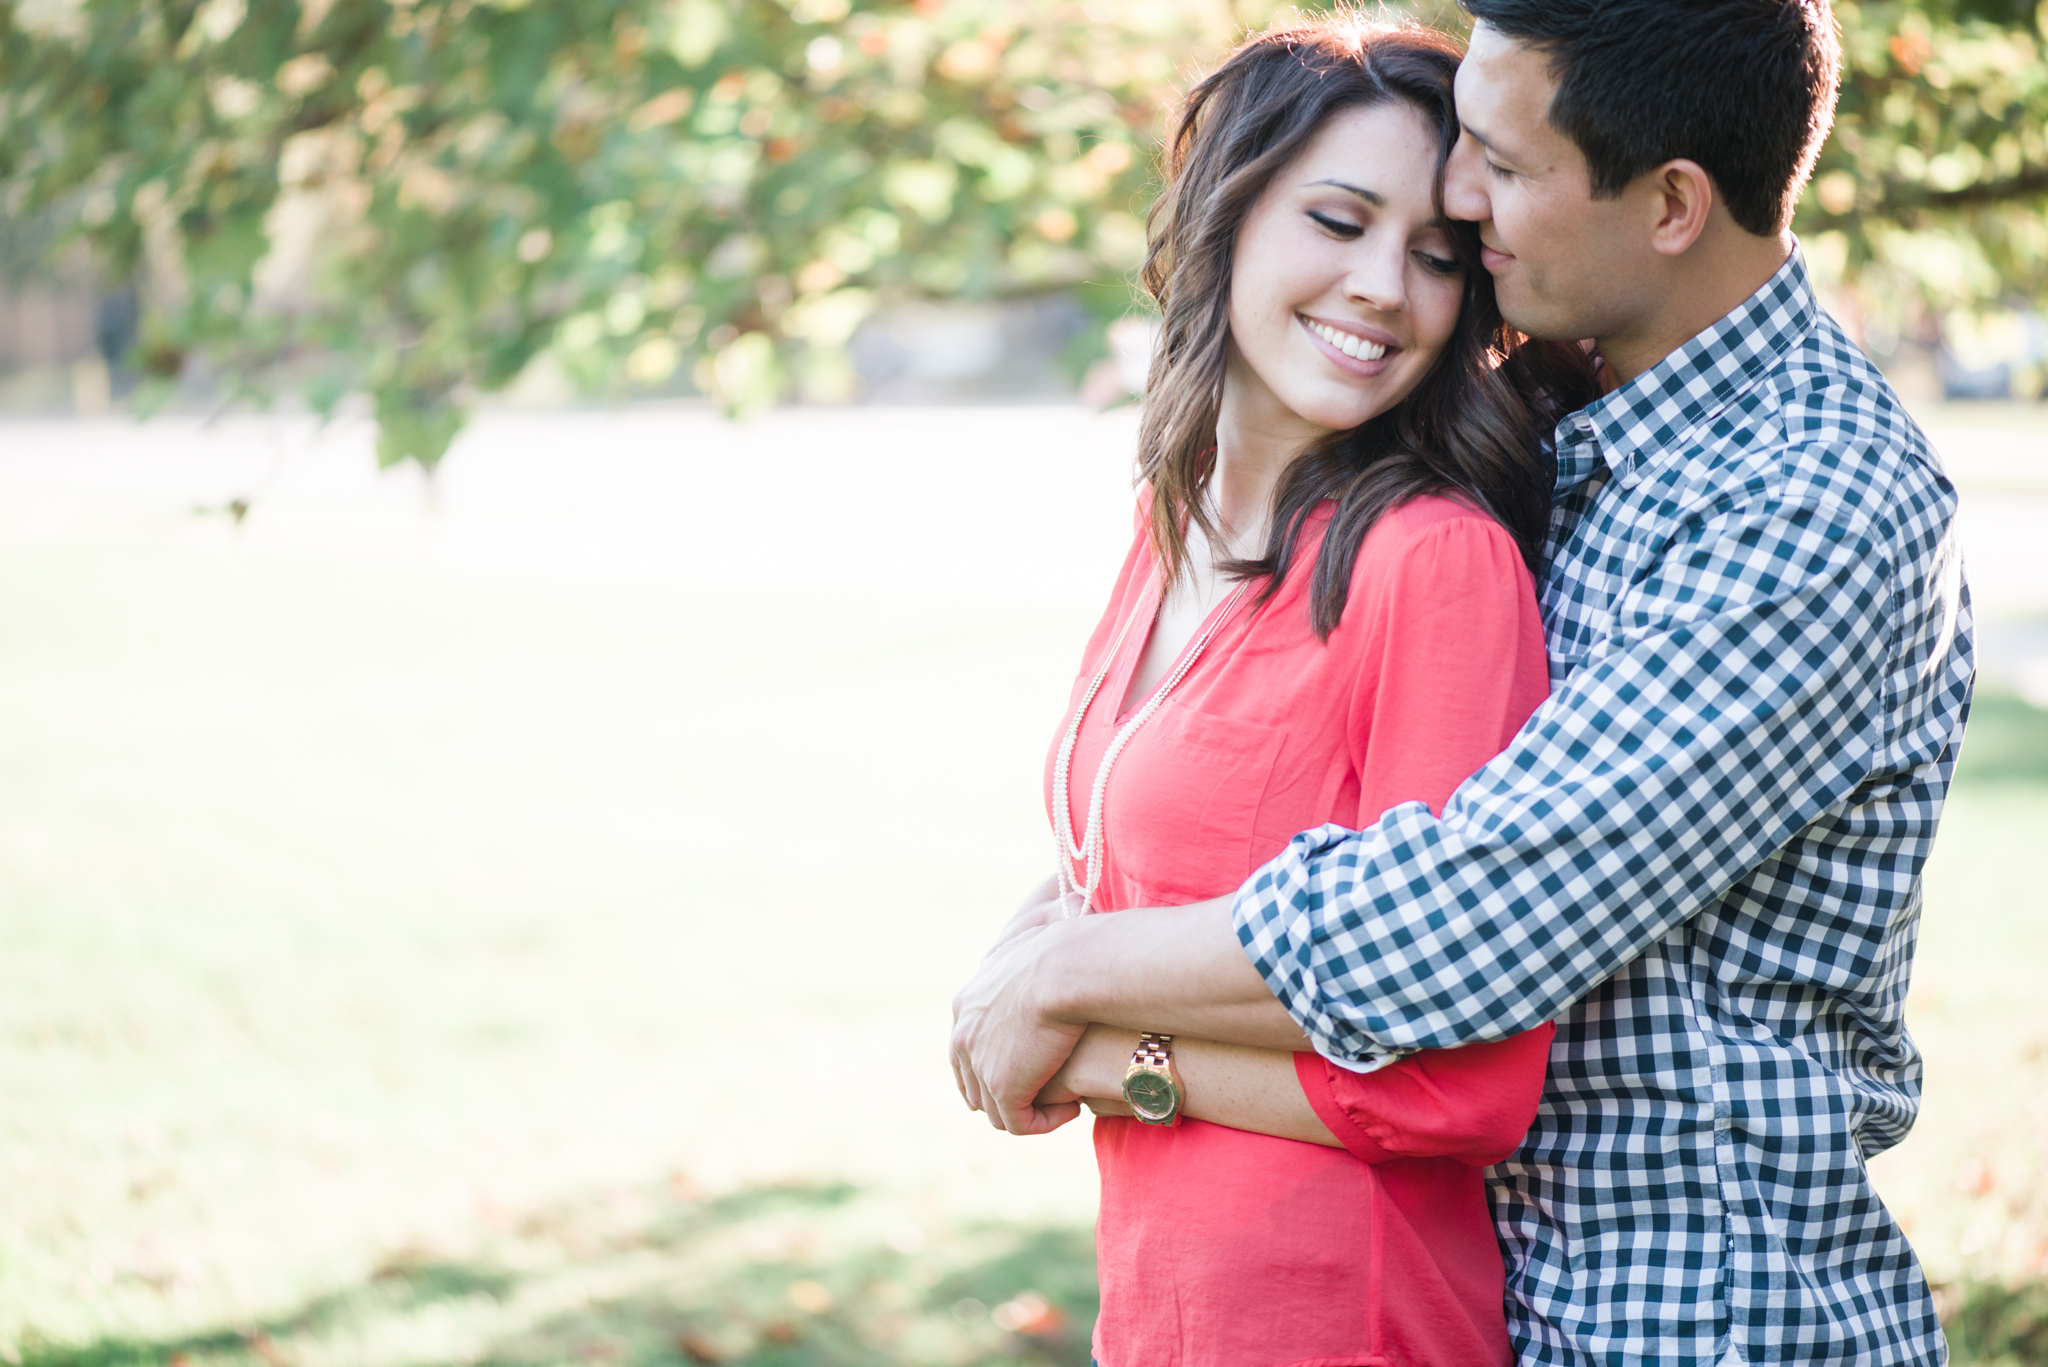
(1041, 908)
(1179, 971)
(1094, 1073)
(1006, 1045)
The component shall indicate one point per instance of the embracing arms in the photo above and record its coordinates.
(1472, 1104)
(1047, 980)
(1746, 702)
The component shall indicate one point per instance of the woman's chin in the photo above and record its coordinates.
(1341, 413)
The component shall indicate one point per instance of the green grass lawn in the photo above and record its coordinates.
(407, 965)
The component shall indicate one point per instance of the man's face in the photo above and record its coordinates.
(1565, 265)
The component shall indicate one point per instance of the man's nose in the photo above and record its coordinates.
(1465, 183)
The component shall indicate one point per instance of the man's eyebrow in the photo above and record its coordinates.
(1372, 197)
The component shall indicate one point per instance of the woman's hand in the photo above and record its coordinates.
(1227, 1084)
(1094, 1073)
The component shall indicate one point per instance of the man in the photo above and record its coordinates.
(1702, 855)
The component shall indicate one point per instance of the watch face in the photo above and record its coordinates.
(1151, 1095)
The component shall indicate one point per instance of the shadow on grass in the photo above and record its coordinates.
(2006, 744)
(820, 1275)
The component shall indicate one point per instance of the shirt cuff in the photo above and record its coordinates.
(1277, 915)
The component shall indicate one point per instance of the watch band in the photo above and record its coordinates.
(1153, 1051)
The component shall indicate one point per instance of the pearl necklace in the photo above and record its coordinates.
(1088, 851)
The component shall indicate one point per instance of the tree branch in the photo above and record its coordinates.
(2027, 184)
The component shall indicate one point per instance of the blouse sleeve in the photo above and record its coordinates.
(1451, 663)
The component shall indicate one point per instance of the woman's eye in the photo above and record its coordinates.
(1335, 226)
(1439, 265)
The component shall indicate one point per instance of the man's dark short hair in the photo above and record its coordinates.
(1746, 88)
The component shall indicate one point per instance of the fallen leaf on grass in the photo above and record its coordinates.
(697, 1348)
(265, 1347)
(1029, 1314)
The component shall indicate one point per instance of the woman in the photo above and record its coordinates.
(1327, 610)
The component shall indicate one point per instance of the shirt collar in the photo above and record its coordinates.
(1659, 407)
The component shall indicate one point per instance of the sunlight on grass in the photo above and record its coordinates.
(363, 910)
(796, 1273)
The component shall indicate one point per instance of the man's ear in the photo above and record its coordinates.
(1682, 196)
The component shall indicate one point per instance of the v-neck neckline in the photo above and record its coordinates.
(1128, 706)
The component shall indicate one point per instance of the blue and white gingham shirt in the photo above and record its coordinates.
(1701, 857)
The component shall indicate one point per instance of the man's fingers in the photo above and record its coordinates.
(956, 1057)
(1003, 1049)
(1055, 1093)
(964, 1078)
(1040, 1119)
(960, 1080)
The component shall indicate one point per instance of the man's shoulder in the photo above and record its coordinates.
(1820, 428)
(1847, 439)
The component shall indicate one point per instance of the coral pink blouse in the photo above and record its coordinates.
(1221, 1248)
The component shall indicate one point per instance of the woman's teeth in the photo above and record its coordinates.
(1346, 342)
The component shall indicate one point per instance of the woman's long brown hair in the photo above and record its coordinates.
(1472, 428)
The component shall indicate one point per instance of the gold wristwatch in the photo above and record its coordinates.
(1151, 1086)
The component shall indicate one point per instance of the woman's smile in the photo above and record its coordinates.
(1344, 249)
(1353, 348)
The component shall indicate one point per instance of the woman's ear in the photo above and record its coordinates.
(1680, 196)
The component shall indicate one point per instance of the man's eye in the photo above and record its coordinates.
(1336, 226)
(1499, 172)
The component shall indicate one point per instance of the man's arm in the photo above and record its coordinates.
(1177, 970)
(1737, 701)
(1737, 705)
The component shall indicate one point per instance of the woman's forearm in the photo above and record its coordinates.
(1179, 971)
(1226, 1084)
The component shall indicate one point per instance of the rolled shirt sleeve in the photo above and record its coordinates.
(1472, 1104)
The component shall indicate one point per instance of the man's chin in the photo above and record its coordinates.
(1530, 318)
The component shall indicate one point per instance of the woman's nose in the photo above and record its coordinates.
(1379, 274)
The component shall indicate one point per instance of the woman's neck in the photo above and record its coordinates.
(1257, 438)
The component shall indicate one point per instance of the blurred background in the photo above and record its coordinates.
(541, 548)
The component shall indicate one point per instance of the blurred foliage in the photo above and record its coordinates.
(416, 198)
(1931, 194)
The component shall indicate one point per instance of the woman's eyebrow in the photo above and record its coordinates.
(1372, 197)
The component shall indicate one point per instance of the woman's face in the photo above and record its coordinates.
(1344, 288)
